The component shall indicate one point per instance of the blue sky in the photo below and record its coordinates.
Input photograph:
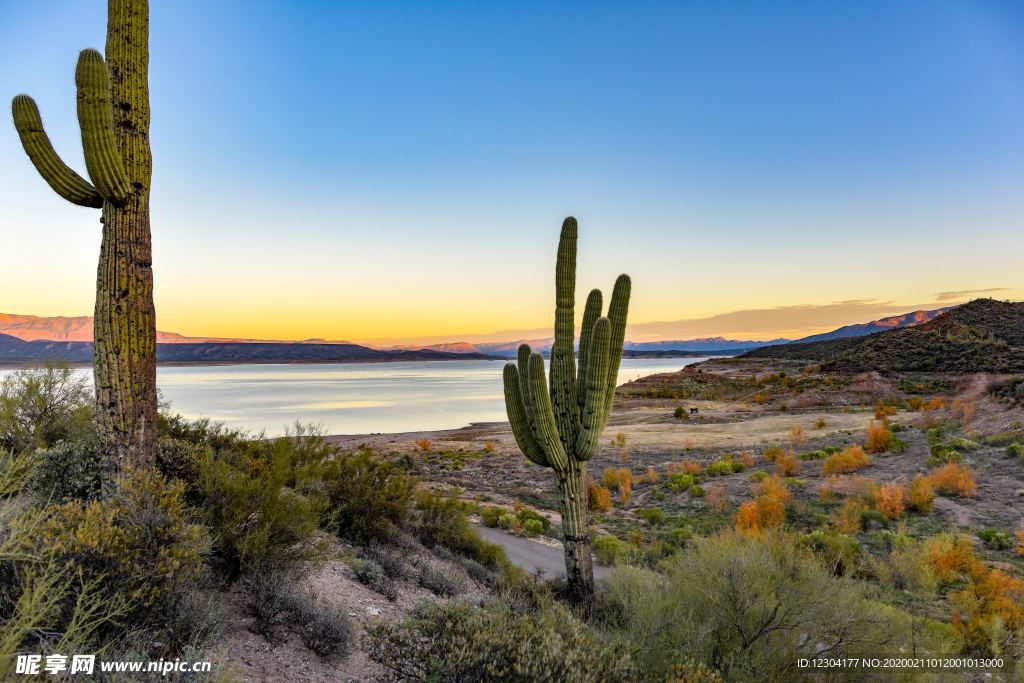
(393, 170)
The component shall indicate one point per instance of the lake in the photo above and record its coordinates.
(353, 398)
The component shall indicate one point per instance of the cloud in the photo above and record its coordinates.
(958, 294)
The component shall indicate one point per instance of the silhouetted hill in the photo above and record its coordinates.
(19, 351)
(983, 335)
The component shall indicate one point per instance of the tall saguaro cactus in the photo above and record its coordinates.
(560, 429)
(113, 114)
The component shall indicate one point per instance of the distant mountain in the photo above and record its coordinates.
(894, 322)
(680, 348)
(8, 338)
(19, 351)
(983, 335)
(703, 344)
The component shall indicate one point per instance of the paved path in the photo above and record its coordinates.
(531, 555)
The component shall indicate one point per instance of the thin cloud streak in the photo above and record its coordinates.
(958, 294)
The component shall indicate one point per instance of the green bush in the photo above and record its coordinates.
(367, 498)
(68, 470)
(609, 550)
(680, 481)
(814, 455)
(443, 521)
(373, 575)
(255, 519)
(390, 560)
(41, 406)
(653, 516)
(456, 642)
(696, 491)
(441, 580)
(840, 553)
(491, 515)
(750, 607)
(723, 467)
(680, 413)
(758, 476)
(995, 539)
(533, 527)
(140, 542)
(942, 453)
(1015, 450)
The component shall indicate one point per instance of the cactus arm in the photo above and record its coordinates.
(617, 311)
(563, 362)
(55, 172)
(518, 418)
(95, 118)
(543, 418)
(596, 380)
(591, 313)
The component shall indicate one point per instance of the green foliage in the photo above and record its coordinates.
(367, 498)
(443, 521)
(942, 453)
(441, 580)
(814, 455)
(533, 527)
(680, 481)
(371, 574)
(42, 406)
(840, 553)
(1015, 450)
(653, 516)
(680, 413)
(499, 642)
(723, 467)
(68, 470)
(491, 515)
(140, 542)
(995, 539)
(750, 607)
(610, 551)
(390, 559)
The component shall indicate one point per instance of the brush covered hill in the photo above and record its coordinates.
(983, 335)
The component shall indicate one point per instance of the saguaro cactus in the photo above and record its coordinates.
(113, 114)
(561, 429)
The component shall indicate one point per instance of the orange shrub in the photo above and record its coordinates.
(889, 500)
(953, 479)
(883, 410)
(962, 410)
(787, 465)
(850, 459)
(747, 459)
(1020, 541)
(773, 452)
(772, 487)
(489, 446)
(914, 403)
(715, 497)
(991, 597)
(759, 398)
(621, 480)
(424, 444)
(921, 495)
(847, 519)
(598, 497)
(651, 476)
(937, 403)
(683, 467)
(757, 516)
(879, 438)
(950, 557)
(796, 435)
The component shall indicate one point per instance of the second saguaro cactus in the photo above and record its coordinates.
(113, 114)
(560, 427)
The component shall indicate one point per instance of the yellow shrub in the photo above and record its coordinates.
(598, 497)
(879, 438)
(953, 480)
(850, 459)
(424, 444)
(787, 465)
(848, 516)
(889, 500)
(921, 495)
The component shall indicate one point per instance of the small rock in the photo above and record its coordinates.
(372, 611)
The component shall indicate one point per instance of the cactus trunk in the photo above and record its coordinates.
(113, 114)
(579, 561)
(560, 430)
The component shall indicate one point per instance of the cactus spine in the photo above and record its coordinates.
(560, 429)
(113, 114)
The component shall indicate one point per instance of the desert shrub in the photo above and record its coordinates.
(889, 500)
(1015, 450)
(953, 480)
(787, 465)
(41, 406)
(490, 515)
(748, 607)
(767, 510)
(942, 453)
(723, 467)
(372, 575)
(526, 515)
(840, 553)
(850, 459)
(533, 527)
(324, 628)
(68, 470)
(651, 475)
(820, 423)
(270, 597)
(367, 498)
(680, 482)
(139, 542)
(424, 445)
(443, 521)
(609, 550)
(181, 459)
(848, 518)
(921, 495)
(391, 560)
(653, 516)
(796, 435)
(620, 480)
(254, 518)
(962, 444)
(772, 452)
(814, 455)
(684, 467)
(500, 642)
(758, 476)
(716, 498)
(879, 438)
(489, 446)
(696, 491)
(441, 580)
(680, 413)
(995, 539)
(598, 497)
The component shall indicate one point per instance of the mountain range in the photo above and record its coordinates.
(983, 335)
(70, 338)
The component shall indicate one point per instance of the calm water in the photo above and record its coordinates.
(354, 398)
